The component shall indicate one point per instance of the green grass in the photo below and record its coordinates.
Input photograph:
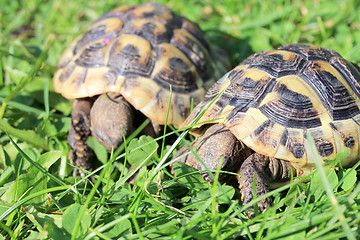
(39, 197)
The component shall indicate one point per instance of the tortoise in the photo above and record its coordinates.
(126, 67)
(266, 115)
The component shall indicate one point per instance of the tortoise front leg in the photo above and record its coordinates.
(267, 170)
(217, 142)
(79, 132)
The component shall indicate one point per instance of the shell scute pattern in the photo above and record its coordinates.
(349, 71)
(311, 53)
(100, 30)
(192, 48)
(293, 141)
(93, 55)
(273, 100)
(151, 11)
(144, 49)
(279, 63)
(290, 108)
(194, 30)
(131, 55)
(154, 31)
(333, 89)
(175, 69)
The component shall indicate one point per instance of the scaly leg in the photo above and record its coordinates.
(79, 132)
(267, 170)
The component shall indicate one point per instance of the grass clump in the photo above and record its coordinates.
(39, 197)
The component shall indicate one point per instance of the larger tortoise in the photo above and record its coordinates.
(131, 58)
(271, 103)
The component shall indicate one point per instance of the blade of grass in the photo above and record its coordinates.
(180, 138)
(25, 57)
(147, 121)
(28, 109)
(99, 234)
(1, 70)
(89, 198)
(89, 175)
(158, 228)
(182, 135)
(339, 211)
(132, 171)
(107, 226)
(46, 98)
(57, 204)
(303, 225)
(28, 136)
(193, 123)
(7, 229)
(107, 184)
(345, 176)
(28, 58)
(323, 231)
(214, 213)
(166, 123)
(126, 153)
(38, 166)
(355, 193)
(24, 200)
(133, 207)
(136, 225)
(261, 21)
(321, 25)
(246, 206)
(121, 148)
(25, 80)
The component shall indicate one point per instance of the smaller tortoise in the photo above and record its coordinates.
(128, 60)
(270, 103)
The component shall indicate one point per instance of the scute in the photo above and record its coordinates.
(151, 11)
(105, 30)
(131, 55)
(140, 51)
(154, 31)
(310, 52)
(175, 69)
(279, 63)
(281, 102)
(93, 55)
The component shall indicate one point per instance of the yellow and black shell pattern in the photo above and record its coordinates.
(274, 100)
(140, 51)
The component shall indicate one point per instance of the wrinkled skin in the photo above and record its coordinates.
(217, 142)
(210, 147)
(108, 118)
(265, 170)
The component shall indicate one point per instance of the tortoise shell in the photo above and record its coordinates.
(274, 100)
(140, 52)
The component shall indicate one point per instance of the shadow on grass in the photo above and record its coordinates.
(237, 47)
